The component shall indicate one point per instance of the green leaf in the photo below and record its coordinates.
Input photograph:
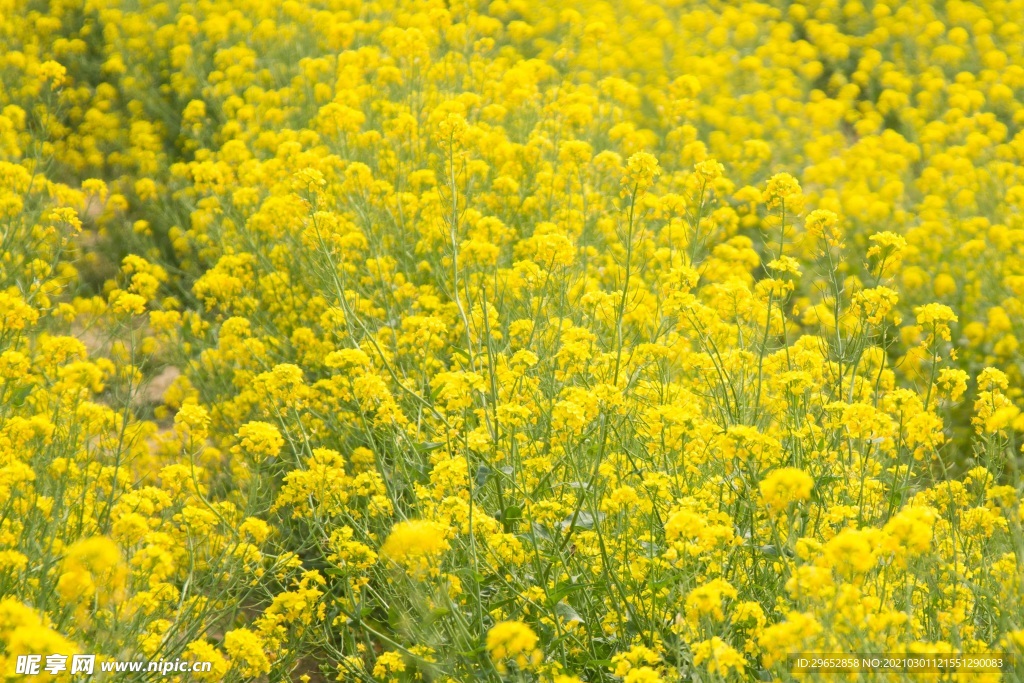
(584, 520)
(436, 614)
(511, 513)
(19, 395)
(563, 589)
(565, 611)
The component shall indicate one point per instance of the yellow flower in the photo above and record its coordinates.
(935, 319)
(874, 305)
(349, 554)
(127, 303)
(513, 641)
(637, 656)
(887, 246)
(245, 649)
(643, 674)
(388, 666)
(388, 241)
(706, 601)
(992, 378)
(952, 382)
(259, 440)
(641, 171)
(15, 314)
(853, 551)
(811, 582)
(416, 545)
(255, 528)
(823, 224)
(785, 486)
(202, 651)
(52, 72)
(708, 170)
(92, 569)
(783, 191)
(719, 657)
(23, 632)
(910, 530)
(68, 217)
(194, 420)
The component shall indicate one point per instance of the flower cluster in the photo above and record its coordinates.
(436, 340)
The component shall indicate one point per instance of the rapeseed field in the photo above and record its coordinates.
(568, 342)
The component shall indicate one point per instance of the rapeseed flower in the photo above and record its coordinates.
(681, 336)
(785, 486)
(416, 545)
(513, 641)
